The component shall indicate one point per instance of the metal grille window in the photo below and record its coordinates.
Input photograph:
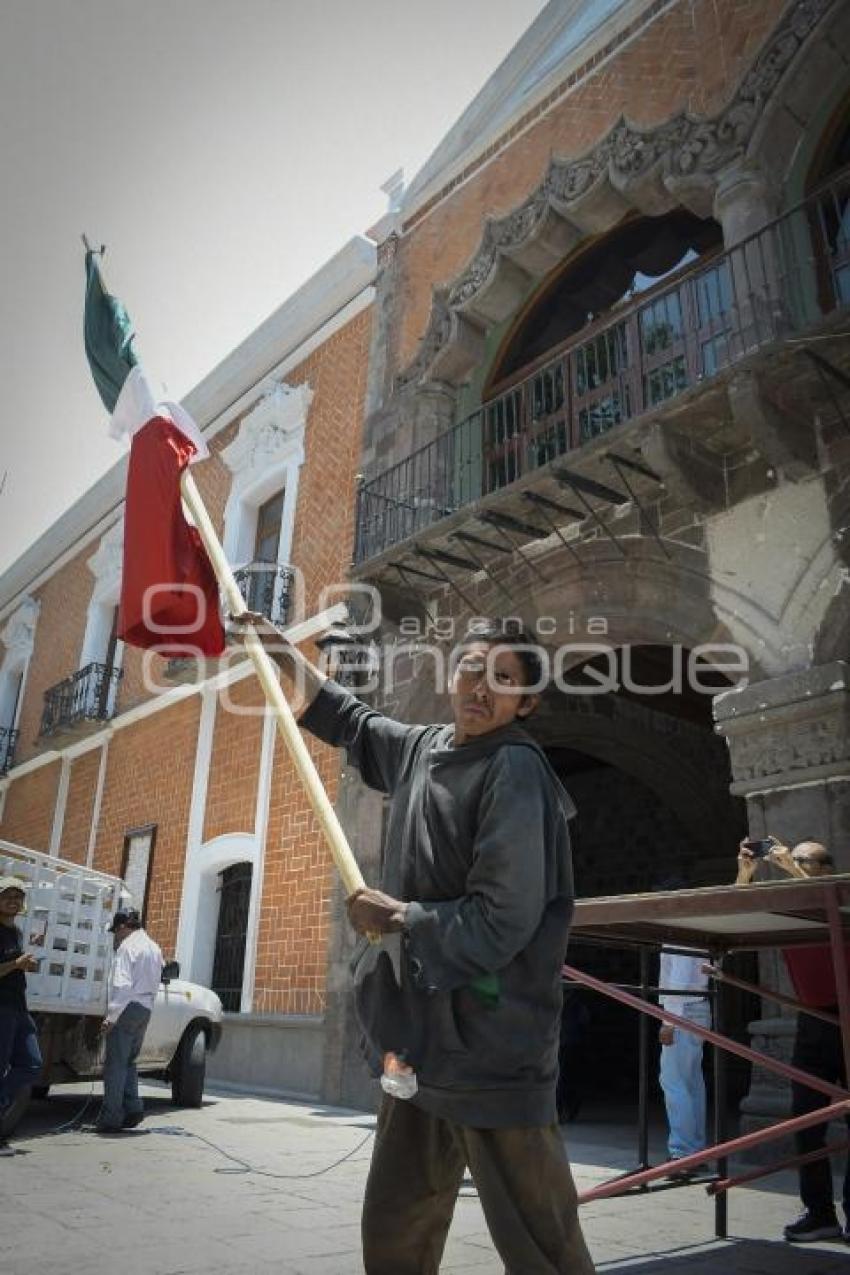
(267, 588)
(8, 740)
(87, 696)
(231, 935)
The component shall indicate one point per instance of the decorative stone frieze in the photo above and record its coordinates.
(788, 731)
(649, 170)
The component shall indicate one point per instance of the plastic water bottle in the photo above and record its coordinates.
(398, 1079)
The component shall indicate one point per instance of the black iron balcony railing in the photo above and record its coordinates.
(267, 588)
(8, 740)
(646, 351)
(89, 695)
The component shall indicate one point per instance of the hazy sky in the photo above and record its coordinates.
(222, 149)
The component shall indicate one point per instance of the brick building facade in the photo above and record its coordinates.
(603, 386)
(167, 771)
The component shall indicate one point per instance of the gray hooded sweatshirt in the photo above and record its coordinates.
(478, 844)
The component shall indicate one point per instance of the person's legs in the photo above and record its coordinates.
(134, 1021)
(118, 1047)
(814, 1051)
(416, 1170)
(529, 1199)
(683, 1084)
(20, 1056)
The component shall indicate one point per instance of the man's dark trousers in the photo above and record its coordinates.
(20, 1056)
(120, 1079)
(523, 1179)
(818, 1050)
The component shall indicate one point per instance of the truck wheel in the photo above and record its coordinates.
(16, 1112)
(189, 1067)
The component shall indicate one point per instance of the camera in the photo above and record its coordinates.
(760, 848)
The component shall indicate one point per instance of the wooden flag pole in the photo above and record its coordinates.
(352, 877)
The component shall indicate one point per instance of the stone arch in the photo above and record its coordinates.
(789, 131)
(649, 599)
(649, 171)
(668, 767)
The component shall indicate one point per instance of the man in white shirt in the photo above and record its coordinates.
(681, 1051)
(136, 975)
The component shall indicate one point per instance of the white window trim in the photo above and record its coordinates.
(265, 456)
(200, 902)
(18, 637)
(106, 566)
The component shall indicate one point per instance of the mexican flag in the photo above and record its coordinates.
(169, 592)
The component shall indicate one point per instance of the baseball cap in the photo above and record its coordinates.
(13, 883)
(125, 916)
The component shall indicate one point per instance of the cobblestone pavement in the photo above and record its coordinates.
(185, 1194)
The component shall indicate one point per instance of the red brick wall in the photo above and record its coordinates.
(149, 780)
(297, 882)
(690, 58)
(79, 807)
(324, 516)
(235, 762)
(28, 811)
(59, 631)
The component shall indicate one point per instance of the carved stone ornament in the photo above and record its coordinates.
(18, 634)
(271, 428)
(790, 730)
(648, 169)
(106, 563)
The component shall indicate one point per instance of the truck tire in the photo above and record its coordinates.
(188, 1068)
(16, 1112)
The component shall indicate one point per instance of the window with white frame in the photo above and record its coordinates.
(264, 460)
(18, 637)
(102, 652)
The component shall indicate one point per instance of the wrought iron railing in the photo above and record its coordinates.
(791, 274)
(267, 588)
(8, 741)
(88, 695)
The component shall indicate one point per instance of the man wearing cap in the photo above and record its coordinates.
(136, 975)
(20, 1056)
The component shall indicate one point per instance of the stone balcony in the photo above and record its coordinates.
(706, 384)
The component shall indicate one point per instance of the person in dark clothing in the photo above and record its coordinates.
(818, 1048)
(20, 1057)
(475, 906)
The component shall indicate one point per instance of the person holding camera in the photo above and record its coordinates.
(20, 1056)
(818, 1047)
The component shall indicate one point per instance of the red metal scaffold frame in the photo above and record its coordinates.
(721, 920)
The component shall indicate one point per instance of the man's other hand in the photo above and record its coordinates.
(782, 857)
(747, 864)
(106, 1027)
(666, 1033)
(373, 912)
(27, 963)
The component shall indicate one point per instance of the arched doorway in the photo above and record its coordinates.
(219, 908)
(650, 780)
(231, 934)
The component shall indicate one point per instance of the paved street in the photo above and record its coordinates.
(163, 1201)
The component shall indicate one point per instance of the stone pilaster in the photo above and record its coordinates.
(789, 741)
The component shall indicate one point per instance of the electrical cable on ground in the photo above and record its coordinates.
(240, 1166)
(245, 1167)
